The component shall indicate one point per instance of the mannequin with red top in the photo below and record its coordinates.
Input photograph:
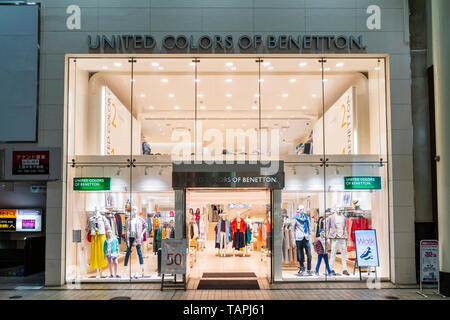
(238, 229)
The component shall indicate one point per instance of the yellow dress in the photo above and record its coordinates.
(98, 259)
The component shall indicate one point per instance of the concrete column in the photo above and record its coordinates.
(180, 212)
(440, 10)
(276, 236)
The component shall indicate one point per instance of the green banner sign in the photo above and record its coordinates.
(91, 184)
(366, 183)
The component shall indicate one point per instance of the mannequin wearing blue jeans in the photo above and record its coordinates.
(138, 248)
(303, 244)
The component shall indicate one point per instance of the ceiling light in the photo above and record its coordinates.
(254, 107)
(133, 80)
(228, 80)
(304, 107)
(233, 68)
(229, 107)
(151, 107)
(197, 80)
(284, 95)
(302, 64)
(192, 64)
(164, 80)
(142, 95)
(325, 80)
(202, 107)
(228, 95)
(176, 107)
(229, 64)
(105, 68)
(171, 95)
(278, 107)
(292, 80)
(314, 95)
(377, 68)
(261, 80)
(267, 63)
(270, 68)
(200, 95)
(256, 95)
(326, 69)
(339, 64)
(117, 64)
(160, 68)
(155, 64)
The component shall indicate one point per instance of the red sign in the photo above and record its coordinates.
(30, 162)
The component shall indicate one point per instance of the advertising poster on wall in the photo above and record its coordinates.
(30, 162)
(429, 261)
(25, 220)
(366, 248)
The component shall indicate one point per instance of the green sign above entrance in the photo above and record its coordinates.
(91, 184)
(365, 183)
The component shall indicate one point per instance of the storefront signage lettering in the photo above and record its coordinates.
(91, 184)
(227, 42)
(227, 180)
(367, 183)
(30, 162)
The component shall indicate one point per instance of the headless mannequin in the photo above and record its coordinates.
(133, 236)
(222, 236)
(339, 241)
(111, 254)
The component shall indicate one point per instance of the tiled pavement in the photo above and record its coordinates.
(285, 291)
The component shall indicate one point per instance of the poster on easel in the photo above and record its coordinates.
(366, 248)
(429, 261)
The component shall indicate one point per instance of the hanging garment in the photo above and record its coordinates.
(259, 238)
(359, 223)
(242, 225)
(320, 226)
(248, 235)
(97, 258)
(285, 244)
(223, 226)
(238, 239)
(119, 227)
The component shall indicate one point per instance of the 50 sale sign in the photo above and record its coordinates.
(173, 260)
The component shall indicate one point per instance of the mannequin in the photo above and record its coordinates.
(111, 250)
(97, 225)
(238, 228)
(191, 222)
(223, 233)
(135, 227)
(301, 234)
(197, 220)
(336, 230)
(321, 249)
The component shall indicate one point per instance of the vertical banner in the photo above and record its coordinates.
(429, 261)
(366, 248)
(173, 260)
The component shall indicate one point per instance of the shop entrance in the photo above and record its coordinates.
(229, 234)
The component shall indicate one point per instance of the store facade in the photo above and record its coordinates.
(317, 95)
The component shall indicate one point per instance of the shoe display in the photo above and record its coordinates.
(345, 273)
(309, 273)
(317, 274)
(333, 273)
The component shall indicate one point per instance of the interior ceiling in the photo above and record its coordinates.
(228, 91)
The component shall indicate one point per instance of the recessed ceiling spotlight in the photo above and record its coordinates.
(164, 80)
(229, 80)
(117, 64)
(278, 107)
(326, 69)
(192, 64)
(176, 107)
(229, 64)
(133, 80)
(233, 68)
(314, 95)
(151, 107)
(325, 80)
(202, 107)
(254, 107)
(160, 68)
(270, 68)
(171, 95)
(261, 80)
(304, 107)
(200, 95)
(229, 107)
(155, 64)
(256, 95)
(197, 80)
(339, 64)
(302, 64)
(377, 68)
(142, 95)
(267, 63)
(228, 95)
(292, 80)
(104, 67)
(284, 95)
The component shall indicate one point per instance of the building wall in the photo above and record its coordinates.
(235, 17)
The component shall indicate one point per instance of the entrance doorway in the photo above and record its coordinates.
(229, 233)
